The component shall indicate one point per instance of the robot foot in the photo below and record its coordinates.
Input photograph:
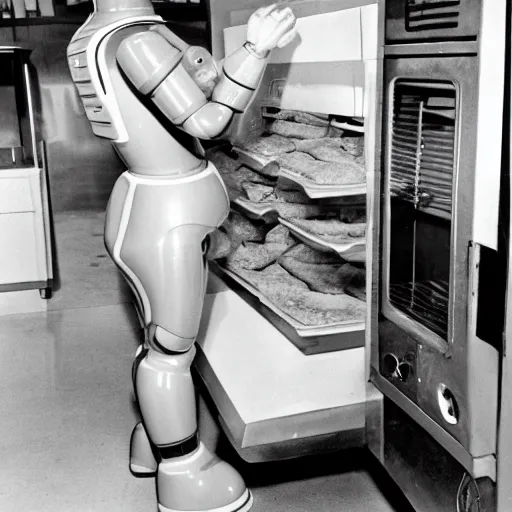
(142, 459)
(201, 482)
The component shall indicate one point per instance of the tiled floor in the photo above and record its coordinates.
(67, 409)
(87, 275)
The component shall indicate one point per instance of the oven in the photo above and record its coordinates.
(438, 306)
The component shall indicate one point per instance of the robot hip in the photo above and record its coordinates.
(148, 208)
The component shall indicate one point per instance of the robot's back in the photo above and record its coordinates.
(143, 139)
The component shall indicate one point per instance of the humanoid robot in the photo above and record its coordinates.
(153, 95)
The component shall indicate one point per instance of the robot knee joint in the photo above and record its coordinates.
(169, 341)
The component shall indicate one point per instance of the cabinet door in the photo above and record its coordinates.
(22, 245)
(323, 70)
(18, 260)
(231, 13)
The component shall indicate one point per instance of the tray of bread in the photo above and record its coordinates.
(310, 150)
(262, 197)
(315, 292)
(297, 228)
(347, 239)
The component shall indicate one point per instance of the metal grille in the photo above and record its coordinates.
(421, 178)
(425, 302)
(423, 146)
(432, 14)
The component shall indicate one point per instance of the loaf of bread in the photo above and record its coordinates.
(291, 196)
(328, 154)
(303, 117)
(273, 145)
(323, 278)
(306, 254)
(225, 163)
(345, 172)
(332, 149)
(280, 235)
(352, 215)
(353, 145)
(240, 229)
(298, 130)
(306, 144)
(235, 181)
(253, 256)
(298, 210)
(258, 193)
(294, 298)
(321, 272)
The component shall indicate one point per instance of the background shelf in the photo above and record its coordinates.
(77, 14)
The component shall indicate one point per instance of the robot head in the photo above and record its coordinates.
(201, 67)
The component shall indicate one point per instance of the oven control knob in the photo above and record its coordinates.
(448, 404)
(389, 365)
(404, 371)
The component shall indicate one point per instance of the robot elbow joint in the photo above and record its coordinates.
(209, 122)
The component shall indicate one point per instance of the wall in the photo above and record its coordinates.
(83, 168)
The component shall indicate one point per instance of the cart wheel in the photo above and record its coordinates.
(46, 293)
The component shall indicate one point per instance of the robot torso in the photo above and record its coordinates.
(147, 142)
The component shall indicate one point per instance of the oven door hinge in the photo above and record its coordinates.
(469, 261)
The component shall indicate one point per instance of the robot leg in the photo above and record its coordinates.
(142, 458)
(190, 477)
(142, 453)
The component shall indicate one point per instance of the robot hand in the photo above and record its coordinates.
(270, 27)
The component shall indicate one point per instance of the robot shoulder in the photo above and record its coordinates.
(147, 57)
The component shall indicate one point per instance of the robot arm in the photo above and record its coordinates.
(183, 81)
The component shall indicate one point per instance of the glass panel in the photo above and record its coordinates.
(9, 126)
(420, 186)
(15, 134)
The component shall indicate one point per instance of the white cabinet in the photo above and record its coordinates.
(25, 237)
(25, 251)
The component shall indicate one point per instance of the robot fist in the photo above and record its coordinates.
(270, 27)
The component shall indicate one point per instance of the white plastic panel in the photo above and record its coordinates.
(504, 489)
(335, 94)
(342, 40)
(15, 194)
(489, 123)
(264, 375)
(23, 254)
(369, 24)
(18, 257)
(329, 37)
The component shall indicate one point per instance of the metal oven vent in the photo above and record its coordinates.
(432, 14)
(423, 145)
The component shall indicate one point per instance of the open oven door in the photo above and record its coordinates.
(282, 391)
(504, 453)
(439, 254)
